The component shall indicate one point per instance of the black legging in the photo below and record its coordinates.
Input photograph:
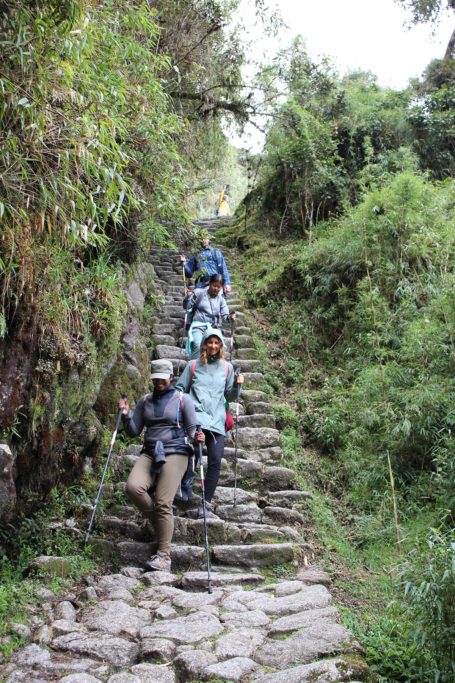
(215, 450)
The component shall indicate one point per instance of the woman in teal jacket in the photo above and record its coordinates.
(208, 381)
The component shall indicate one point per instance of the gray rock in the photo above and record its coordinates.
(249, 618)
(198, 580)
(163, 351)
(288, 498)
(7, 485)
(241, 642)
(258, 555)
(276, 478)
(131, 572)
(224, 496)
(118, 581)
(79, 678)
(160, 578)
(189, 629)
(21, 630)
(327, 671)
(115, 616)
(135, 296)
(187, 556)
(119, 594)
(154, 673)
(251, 437)
(240, 513)
(31, 655)
(312, 575)
(43, 635)
(196, 600)
(44, 594)
(124, 678)
(288, 588)
(133, 553)
(232, 670)
(157, 650)
(65, 610)
(116, 651)
(322, 638)
(311, 597)
(301, 620)
(277, 515)
(88, 594)
(62, 626)
(190, 665)
(165, 612)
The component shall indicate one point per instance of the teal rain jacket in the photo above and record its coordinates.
(208, 387)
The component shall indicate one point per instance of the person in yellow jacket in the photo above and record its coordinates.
(223, 204)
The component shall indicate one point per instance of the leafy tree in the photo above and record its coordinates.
(430, 11)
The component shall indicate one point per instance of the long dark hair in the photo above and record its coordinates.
(216, 278)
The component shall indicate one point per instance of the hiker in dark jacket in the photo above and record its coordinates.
(207, 262)
(169, 419)
(206, 309)
(209, 381)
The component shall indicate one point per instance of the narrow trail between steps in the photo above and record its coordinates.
(157, 627)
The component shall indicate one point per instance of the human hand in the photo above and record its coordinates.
(123, 405)
(227, 288)
(182, 258)
(232, 316)
(199, 437)
(240, 378)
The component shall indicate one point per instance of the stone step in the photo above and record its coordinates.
(245, 353)
(257, 420)
(254, 380)
(164, 339)
(242, 340)
(170, 352)
(247, 366)
(163, 328)
(251, 395)
(287, 498)
(197, 581)
(258, 437)
(259, 407)
(186, 557)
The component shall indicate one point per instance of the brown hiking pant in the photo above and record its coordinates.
(159, 508)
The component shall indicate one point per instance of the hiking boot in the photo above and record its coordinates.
(158, 563)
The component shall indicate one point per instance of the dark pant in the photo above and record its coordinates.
(215, 451)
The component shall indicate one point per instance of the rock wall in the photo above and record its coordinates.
(55, 421)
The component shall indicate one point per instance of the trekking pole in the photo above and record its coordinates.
(100, 489)
(239, 389)
(207, 551)
(232, 339)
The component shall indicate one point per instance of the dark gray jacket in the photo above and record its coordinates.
(203, 308)
(167, 417)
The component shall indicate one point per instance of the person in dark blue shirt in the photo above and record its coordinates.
(206, 263)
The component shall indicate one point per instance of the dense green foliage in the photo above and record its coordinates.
(101, 156)
(349, 247)
(333, 136)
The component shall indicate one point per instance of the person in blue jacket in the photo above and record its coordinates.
(207, 262)
(209, 381)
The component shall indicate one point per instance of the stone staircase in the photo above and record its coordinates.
(157, 627)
